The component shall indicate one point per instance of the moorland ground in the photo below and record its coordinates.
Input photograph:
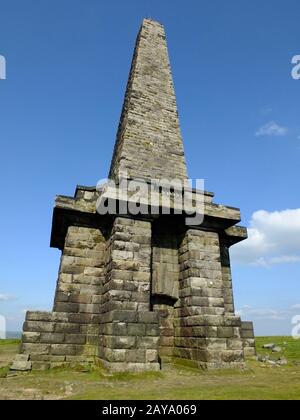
(177, 381)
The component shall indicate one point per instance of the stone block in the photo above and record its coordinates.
(67, 328)
(153, 330)
(66, 307)
(75, 339)
(80, 318)
(136, 329)
(80, 298)
(136, 356)
(21, 366)
(39, 316)
(230, 356)
(33, 348)
(148, 317)
(115, 355)
(125, 316)
(38, 326)
(118, 342)
(63, 350)
(41, 366)
(31, 337)
(225, 332)
(116, 328)
(247, 326)
(247, 334)
(52, 338)
(147, 342)
(151, 356)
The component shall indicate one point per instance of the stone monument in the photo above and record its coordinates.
(135, 291)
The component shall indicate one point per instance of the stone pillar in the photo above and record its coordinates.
(203, 333)
(81, 272)
(70, 334)
(129, 329)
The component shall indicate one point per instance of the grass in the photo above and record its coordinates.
(290, 347)
(9, 342)
(180, 381)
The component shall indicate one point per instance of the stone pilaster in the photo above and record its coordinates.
(82, 271)
(71, 333)
(129, 330)
(204, 333)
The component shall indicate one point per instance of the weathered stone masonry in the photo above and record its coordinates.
(134, 292)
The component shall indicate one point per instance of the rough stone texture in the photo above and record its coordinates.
(204, 331)
(149, 135)
(248, 337)
(135, 291)
(21, 363)
(128, 329)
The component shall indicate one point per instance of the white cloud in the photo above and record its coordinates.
(266, 313)
(6, 298)
(271, 129)
(296, 307)
(274, 238)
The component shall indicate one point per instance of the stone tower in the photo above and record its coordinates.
(135, 291)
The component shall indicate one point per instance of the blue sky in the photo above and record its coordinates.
(67, 68)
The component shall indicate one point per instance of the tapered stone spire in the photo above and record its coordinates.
(149, 143)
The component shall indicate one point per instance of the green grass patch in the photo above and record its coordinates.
(290, 347)
(9, 342)
(180, 379)
(4, 371)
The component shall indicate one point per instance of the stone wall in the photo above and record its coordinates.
(53, 339)
(102, 303)
(138, 295)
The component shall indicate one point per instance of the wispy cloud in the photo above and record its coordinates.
(6, 298)
(274, 238)
(276, 314)
(271, 129)
(267, 110)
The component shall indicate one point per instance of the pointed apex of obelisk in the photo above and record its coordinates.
(149, 143)
(150, 21)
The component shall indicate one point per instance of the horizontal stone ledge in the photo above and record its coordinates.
(47, 316)
(208, 320)
(47, 358)
(130, 316)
